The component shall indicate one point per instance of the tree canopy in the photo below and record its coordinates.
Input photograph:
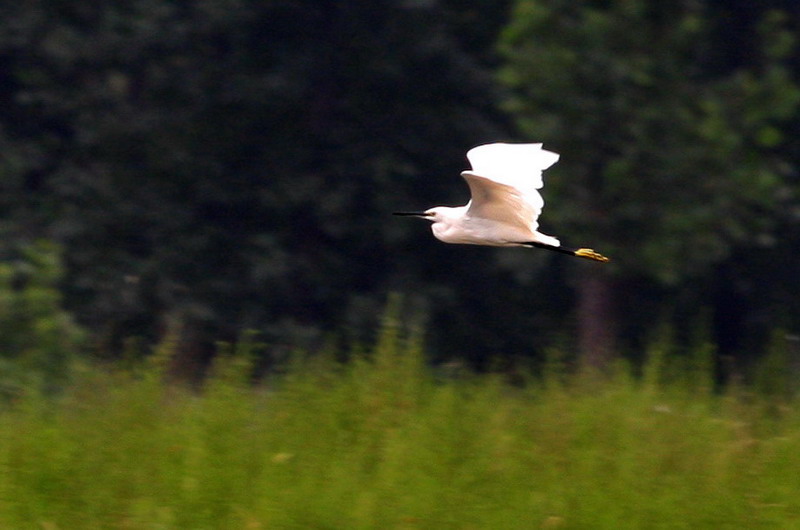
(231, 164)
(673, 159)
(670, 163)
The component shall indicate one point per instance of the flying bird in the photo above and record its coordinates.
(505, 205)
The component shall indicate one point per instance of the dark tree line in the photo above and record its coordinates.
(231, 164)
(674, 158)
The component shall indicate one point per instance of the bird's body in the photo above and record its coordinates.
(505, 206)
(456, 225)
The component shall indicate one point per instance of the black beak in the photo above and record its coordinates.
(411, 214)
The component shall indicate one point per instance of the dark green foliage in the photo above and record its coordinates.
(229, 164)
(671, 159)
(218, 166)
(666, 163)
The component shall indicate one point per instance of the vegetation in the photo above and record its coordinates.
(174, 173)
(38, 338)
(384, 441)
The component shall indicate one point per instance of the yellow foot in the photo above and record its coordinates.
(590, 254)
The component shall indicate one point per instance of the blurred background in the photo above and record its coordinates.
(216, 166)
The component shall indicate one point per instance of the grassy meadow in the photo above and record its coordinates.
(384, 442)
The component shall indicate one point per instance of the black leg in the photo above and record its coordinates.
(579, 252)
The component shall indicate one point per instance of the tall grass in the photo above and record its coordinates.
(382, 442)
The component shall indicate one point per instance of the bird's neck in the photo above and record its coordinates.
(448, 220)
(456, 212)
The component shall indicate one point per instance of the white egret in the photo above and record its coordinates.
(505, 204)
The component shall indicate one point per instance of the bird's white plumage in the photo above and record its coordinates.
(517, 165)
(505, 203)
(504, 183)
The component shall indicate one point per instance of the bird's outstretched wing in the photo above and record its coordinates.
(516, 165)
(505, 180)
(503, 203)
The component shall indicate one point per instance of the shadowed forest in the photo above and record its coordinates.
(231, 165)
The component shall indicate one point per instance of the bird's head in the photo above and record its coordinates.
(437, 214)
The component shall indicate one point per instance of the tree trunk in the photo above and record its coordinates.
(596, 320)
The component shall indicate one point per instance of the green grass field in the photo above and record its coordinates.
(381, 442)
